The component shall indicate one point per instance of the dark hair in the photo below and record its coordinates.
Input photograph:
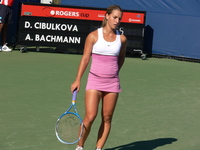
(109, 11)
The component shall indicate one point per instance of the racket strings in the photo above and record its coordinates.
(68, 128)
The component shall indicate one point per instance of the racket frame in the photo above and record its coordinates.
(73, 105)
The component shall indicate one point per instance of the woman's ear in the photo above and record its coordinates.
(107, 16)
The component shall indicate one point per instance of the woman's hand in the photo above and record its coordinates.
(75, 86)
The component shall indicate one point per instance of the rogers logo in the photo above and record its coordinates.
(66, 13)
(71, 13)
(50, 12)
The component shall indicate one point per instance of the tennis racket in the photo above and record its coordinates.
(69, 126)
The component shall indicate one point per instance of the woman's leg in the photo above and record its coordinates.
(92, 99)
(109, 101)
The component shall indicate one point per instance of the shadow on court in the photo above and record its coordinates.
(145, 145)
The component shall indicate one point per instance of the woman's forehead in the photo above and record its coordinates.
(116, 12)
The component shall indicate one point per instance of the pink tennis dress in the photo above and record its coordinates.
(103, 75)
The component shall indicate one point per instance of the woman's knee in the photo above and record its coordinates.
(89, 119)
(107, 119)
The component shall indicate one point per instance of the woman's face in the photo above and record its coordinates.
(114, 19)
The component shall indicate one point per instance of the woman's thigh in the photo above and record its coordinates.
(92, 99)
(109, 101)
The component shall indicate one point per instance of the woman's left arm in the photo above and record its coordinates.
(122, 53)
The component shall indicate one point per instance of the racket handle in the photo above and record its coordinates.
(74, 96)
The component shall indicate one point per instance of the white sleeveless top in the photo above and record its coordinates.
(104, 47)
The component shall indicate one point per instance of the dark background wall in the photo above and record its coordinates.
(172, 27)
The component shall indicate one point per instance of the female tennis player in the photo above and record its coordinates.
(107, 47)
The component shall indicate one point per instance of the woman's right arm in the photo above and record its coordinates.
(89, 42)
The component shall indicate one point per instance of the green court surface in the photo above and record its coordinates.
(159, 108)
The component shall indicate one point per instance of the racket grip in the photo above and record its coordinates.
(74, 95)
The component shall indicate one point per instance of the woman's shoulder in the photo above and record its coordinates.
(123, 38)
(93, 35)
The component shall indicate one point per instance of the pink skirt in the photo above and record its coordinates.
(102, 82)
